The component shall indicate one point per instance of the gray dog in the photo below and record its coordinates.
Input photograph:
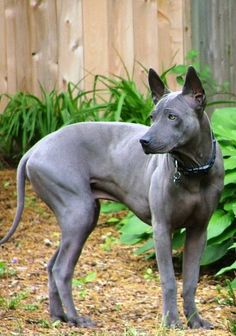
(176, 186)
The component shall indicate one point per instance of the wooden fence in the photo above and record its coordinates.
(52, 42)
(213, 34)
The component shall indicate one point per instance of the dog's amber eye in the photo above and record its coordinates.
(171, 116)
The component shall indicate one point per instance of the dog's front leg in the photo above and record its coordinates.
(162, 239)
(194, 246)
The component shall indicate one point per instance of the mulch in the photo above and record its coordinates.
(124, 298)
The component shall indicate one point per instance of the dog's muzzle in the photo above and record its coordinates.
(146, 145)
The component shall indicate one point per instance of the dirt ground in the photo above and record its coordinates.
(119, 290)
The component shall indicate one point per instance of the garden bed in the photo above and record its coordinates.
(120, 291)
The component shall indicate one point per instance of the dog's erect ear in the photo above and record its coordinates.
(193, 87)
(156, 85)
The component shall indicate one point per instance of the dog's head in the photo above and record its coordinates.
(176, 116)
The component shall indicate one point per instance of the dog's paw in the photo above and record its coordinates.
(175, 325)
(196, 323)
(81, 321)
(62, 318)
(172, 323)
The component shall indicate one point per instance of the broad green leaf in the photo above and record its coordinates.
(178, 239)
(224, 120)
(230, 206)
(135, 226)
(214, 252)
(230, 163)
(233, 246)
(90, 277)
(230, 177)
(228, 149)
(227, 269)
(110, 207)
(228, 193)
(218, 223)
(233, 283)
(134, 230)
(225, 235)
(130, 239)
(149, 244)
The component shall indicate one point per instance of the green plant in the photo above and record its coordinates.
(222, 230)
(125, 102)
(108, 243)
(14, 301)
(27, 118)
(150, 275)
(214, 90)
(227, 297)
(82, 281)
(31, 307)
(232, 326)
(5, 271)
(112, 207)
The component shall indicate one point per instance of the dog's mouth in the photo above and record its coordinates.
(162, 149)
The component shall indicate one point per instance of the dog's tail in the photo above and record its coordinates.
(21, 176)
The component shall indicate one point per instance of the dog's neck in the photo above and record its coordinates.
(200, 151)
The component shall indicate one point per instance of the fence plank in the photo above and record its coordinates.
(145, 38)
(10, 21)
(213, 36)
(23, 49)
(3, 51)
(43, 44)
(187, 27)
(95, 23)
(121, 36)
(170, 30)
(3, 56)
(70, 42)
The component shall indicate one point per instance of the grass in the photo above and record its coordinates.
(13, 302)
(27, 118)
(5, 271)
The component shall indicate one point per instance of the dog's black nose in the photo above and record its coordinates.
(144, 142)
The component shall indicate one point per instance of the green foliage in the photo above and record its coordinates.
(149, 275)
(226, 294)
(133, 230)
(109, 242)
(14, 301)
(222, 229)
(112, 207)
(5, 271)
(124, 102)
(26, 118)
(82, 281)
(90, 277)
(31, 307)
(213, 89)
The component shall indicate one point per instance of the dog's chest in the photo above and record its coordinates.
(188, 206)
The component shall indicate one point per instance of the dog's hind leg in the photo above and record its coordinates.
(55, 304)
(77, 220)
